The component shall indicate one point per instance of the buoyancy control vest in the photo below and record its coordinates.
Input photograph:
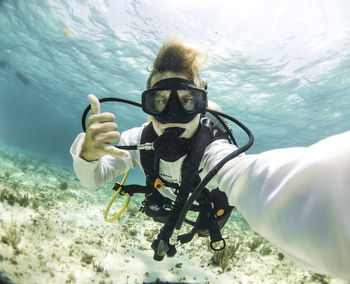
(212, 206)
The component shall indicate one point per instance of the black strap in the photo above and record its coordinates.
(189, 170)
(131, 189)
(207, 219)
(148, 162)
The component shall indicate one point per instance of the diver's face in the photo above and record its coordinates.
(190, 127)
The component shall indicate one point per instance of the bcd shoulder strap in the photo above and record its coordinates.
(149, 164)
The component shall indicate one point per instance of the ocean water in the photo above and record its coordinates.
(280, 67)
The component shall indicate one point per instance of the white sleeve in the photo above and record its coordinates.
(97, 173)
(299, 199)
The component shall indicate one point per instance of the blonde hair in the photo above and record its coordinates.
(175, 56)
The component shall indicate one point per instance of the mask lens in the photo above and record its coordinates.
(190, 99)
(154, 101)
(160, 100)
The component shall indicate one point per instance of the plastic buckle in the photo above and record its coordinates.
(116, 186)
(220, 247)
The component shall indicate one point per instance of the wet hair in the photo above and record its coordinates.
(175, 56)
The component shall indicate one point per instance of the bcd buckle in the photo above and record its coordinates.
(217, 248)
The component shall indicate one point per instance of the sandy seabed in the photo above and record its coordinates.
(52, 231)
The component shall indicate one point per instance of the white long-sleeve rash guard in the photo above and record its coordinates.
(297, 198)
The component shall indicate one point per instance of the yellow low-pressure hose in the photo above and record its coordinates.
(116, 216)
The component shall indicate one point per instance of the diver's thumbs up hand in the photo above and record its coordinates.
(101, 131)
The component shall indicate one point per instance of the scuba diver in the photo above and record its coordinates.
(297, 198)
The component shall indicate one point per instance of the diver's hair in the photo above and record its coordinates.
(175, 56)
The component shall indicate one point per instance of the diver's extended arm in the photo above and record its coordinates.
(298, 198)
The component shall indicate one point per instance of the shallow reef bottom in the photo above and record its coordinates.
(52, 231)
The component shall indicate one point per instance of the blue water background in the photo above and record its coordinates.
(281, 67)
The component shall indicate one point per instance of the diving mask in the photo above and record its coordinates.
(174, 100)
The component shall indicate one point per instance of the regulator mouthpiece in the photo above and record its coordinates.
(170, 146)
